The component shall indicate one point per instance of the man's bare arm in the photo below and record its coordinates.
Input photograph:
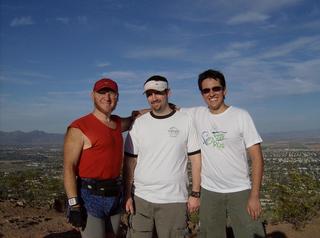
(126, 122)
(73, 145)
(193, 202)
(257, 164)
(128, 173)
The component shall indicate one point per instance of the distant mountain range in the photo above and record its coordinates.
(43, 138)
(302, 136)
(30, 138)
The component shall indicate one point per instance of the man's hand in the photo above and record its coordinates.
(254, 207)
(135, 114)
(129, 205)
(193, 204)
(76, 217)
(142, 112)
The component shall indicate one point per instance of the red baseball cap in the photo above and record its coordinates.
(105, 83)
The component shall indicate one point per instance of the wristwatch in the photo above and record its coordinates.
(73, 201)
(195, 194)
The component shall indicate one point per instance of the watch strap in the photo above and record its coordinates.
(73, 201)
(195, 194)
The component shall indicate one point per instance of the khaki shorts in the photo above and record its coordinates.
(167, 220)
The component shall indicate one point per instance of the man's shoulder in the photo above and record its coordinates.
(194, 110)
(181, 116)
(142, 118)
(115, 117)
(82, 118)
(238, 110)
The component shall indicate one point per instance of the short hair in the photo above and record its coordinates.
(214, 74)
(156, 78)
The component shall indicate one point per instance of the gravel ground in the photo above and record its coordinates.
(20, 221)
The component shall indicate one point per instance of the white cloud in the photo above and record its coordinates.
(22, 21)
(259, 79)
(127, 80)
(232, 12)
(228, 54)
(271, 5)
(135, 27)
(312, 25)
(64, 20)
(249, 17)
(234, 50)
(82, 20)
(68, 93)
(302, 43)
(258, 6)
(243, 45)
(36, 75)
(120, 75)
(156, 53)
(16, 77)
(16, 80)
(103, 64)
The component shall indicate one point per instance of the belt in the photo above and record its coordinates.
(106, 188)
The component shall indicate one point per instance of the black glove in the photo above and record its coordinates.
(77, 217)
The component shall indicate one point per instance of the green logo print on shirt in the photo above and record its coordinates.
(214, 138)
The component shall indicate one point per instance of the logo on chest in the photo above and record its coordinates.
(173, 131)
(215, 138)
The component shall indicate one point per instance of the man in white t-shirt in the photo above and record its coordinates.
(157, 149)
(226, 134)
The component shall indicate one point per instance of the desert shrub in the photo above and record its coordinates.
(31, 186)
(296, 198)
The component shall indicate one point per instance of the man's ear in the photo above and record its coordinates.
(168, 92)
(225, 92)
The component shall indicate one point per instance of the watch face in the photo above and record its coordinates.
(73, 201)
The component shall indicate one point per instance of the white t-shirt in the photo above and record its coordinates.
(223, 140)
(162, 145)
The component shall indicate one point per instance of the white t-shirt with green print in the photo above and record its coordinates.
(223, 139)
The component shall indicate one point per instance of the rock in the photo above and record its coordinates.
(59, 205)
(20, 204)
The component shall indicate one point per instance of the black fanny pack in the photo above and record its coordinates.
(106, 188)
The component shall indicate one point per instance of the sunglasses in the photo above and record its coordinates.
(107, 90)
(214, 89)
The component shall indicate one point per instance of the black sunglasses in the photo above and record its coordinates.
(106, 90)
(214, 89)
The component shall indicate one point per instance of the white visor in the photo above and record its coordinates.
(156, 85)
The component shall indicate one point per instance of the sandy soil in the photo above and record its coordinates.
(311, 230)
(19, 221)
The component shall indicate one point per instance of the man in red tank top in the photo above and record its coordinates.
(93, 149)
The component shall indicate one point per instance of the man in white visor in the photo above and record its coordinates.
(157, 149)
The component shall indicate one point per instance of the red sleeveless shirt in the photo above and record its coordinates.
(103, 160)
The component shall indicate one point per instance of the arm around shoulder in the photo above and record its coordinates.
(127, 122)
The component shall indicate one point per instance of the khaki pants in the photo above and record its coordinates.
(214, 209)
(169, 219)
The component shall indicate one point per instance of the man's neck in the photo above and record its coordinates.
(167, 110)
(101, 116)
(219, 110)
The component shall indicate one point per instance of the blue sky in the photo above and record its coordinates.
(53, 51)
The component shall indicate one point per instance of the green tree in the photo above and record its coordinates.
(296, 198)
